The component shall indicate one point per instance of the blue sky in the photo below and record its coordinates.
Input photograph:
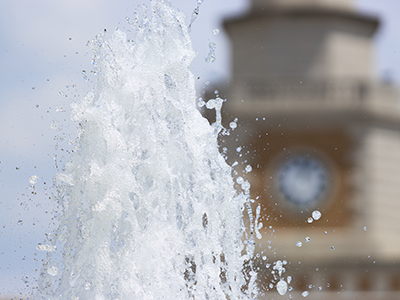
(42, 56)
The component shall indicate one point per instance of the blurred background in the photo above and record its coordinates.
(46, 65)
(320, 127)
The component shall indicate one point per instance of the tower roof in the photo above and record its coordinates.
(288, 4)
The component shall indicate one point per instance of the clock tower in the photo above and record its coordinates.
(322, 134)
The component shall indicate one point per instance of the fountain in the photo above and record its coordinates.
(149, 210)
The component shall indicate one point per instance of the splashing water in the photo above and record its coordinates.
(149, 208)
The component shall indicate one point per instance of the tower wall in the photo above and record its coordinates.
(381, 167)
(316, 45)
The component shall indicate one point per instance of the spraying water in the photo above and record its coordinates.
(149, 208)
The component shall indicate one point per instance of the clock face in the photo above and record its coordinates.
(303, 180)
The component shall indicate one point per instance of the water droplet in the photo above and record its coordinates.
(210, 58)
(53, 271)
(326, 232)
(271, 285)
(365, 228)
(298, 244)
(54, 125)
(305, 294)
(248, 168)
(232, 125)
(211, 55)
(201, 102)
(333, 248)
(320, 288)
(214, 103)
(245, 185)
(238, 149)
(47, 248)
(264, 257)
(33, 179)
(278, 266)
(310, 220)
(281, 287)
(316, 214)
(20, 222)
(212, 46)
(216, 31)
(240, 180)
(308, 239)
(84, 75)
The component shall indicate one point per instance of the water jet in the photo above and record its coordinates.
(149, 209)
